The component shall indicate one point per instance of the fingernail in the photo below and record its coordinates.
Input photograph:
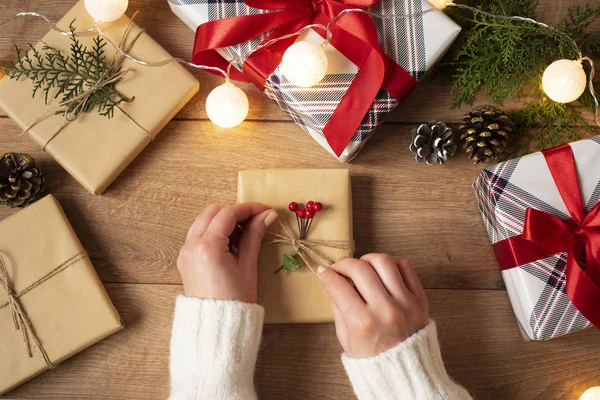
(270, 218)
(321, 269)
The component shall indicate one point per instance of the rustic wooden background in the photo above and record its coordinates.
(428, 214)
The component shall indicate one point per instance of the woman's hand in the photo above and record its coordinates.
(390, 308)
(207, 264)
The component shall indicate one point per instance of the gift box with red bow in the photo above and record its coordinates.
(542, 214)
(373, 62)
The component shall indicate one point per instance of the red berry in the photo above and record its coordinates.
(310, 214)
(317, 207)
(310, 205)
(301, 213)
(293, 206)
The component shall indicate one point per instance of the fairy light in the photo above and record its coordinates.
(440, 4)
(564, 81)
(304, 63)
(106, 10)
(591, 394)
(227, 105)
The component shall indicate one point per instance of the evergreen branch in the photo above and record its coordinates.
(539, 121)
(70, 77)
(507, 59)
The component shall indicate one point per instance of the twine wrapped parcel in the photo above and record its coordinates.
(21, 321)
(112, 75)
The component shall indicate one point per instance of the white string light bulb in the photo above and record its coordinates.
(564, 81)
(591, 394)
(227, 105)
(440, 4)
(106, 10)
(304, 63)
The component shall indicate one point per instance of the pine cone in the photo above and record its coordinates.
(21, 180)
(485, 133)
(433, 143)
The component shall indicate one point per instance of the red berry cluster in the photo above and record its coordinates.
(304, 216)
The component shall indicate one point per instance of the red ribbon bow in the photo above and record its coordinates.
(354, 35)
(545, 235)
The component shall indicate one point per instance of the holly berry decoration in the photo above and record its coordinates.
(304, 219)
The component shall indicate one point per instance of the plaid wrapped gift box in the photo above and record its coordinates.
(507, 194)
(416, 44)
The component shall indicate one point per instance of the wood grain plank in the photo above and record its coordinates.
(134, 231)
(480, 343)
(431, 100)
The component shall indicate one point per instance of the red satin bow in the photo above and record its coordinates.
(354, 35)
(545, 235)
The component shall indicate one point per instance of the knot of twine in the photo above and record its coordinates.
(73, 108)
(305, 248)
(21, 321)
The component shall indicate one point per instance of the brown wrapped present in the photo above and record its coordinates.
(298, 297)
(93, 148)
(49, 290)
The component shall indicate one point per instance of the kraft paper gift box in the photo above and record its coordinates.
(298, 297)
(523, 205)
(56, 288)
(93, 148)
(415, 44)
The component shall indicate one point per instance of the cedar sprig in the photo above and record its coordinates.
(508, 58)
(503, 57)
(70, 76)
(538, 121)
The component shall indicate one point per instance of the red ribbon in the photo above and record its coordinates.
(354, 35)
(545, 235)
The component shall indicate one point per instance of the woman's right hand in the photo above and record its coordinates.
(208, 268)
(387, 306)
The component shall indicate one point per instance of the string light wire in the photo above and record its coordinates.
(225, 73)
(329, 35)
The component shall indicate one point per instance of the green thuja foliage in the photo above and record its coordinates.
(83, 80)
(507, 58)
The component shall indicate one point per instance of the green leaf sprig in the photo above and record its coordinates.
(290, 263)
(83, 80)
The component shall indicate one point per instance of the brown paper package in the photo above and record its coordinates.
(69, 312)
(95, 149)
(298, 297)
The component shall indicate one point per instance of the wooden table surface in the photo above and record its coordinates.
(134, 231)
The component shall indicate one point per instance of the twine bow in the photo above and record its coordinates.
(21, 321)
(74, 107)
(304, 247)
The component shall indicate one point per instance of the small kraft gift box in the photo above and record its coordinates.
(373, 62)
(297, 296)
(542, 214)
(93, 148)
(52, 303)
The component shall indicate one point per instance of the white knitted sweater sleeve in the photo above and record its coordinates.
(215, 343)
(413, 370)
(214, 346)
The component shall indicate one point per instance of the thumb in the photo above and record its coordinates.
(253, 235)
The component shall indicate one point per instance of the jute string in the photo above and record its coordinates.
(111, 75)
(305, 247)
(21, 321)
